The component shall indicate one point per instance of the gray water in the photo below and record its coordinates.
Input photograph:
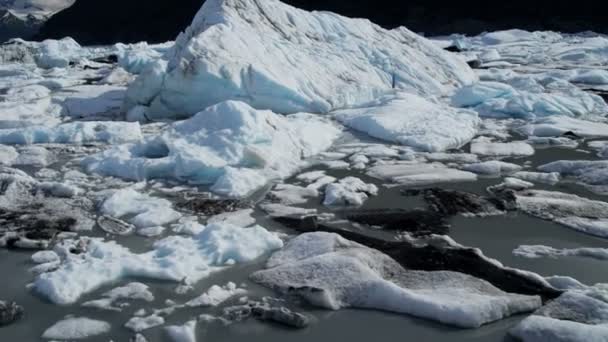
(496, 236)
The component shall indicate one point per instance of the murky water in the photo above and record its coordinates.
(496, 236)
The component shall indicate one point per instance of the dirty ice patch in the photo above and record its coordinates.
(334, 273)
(297, 62)
(411, 120)
(231, 145)
(175, 258)
(74, 133)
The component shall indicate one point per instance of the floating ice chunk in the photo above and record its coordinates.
(281, 210)
(494, 149)
(143, 210)
(36, 156)
(297, 62)
(184, 333)
(528, 98)
(8, 155)
(139, 324)
(576, 212)
(452, 157)
(541, 329)
(350, 191)
(321, 183)
(558, 125)
(551, 178)
(492, 167)
(216, 295)
(151, 231)
(507, 36)
(241, 218)
(239, 182)
(601, 147)
(331, 272)
(597, 227)
(415, 174)
(565, 283)
(594, 76)
(57, 53)
(135, 58)
(589, 172)
(131, 291)
(26, 106)
(310, 177)
(292, 194)
(411, 120)
(580, 314)
(76, 329)
(553, 142)
(473, 95)
(93, 101)
(539, 251)
(43, 257)
(231, 145)
(174, 258)
(118, 76)
(74, 133)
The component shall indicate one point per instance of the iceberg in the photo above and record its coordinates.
(274, 56)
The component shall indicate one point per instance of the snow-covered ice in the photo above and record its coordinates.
(216, 295)
(231, 145)
(497, 149)
(175, 258)
(143, 210)
(349, 191)
(492, 168)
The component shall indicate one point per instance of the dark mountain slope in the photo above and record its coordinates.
(108, 21)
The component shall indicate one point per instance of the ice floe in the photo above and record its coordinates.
(576, 212)
(556, 126)
(539, 251)
(76, 328)
(143, 210)
(492, 167)
(576, 316)
(217, 295)
(331, 272)
(183, 333)
(174, 258)
(496, 149)
(350, 191)
(416, 174)
(412, 120)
